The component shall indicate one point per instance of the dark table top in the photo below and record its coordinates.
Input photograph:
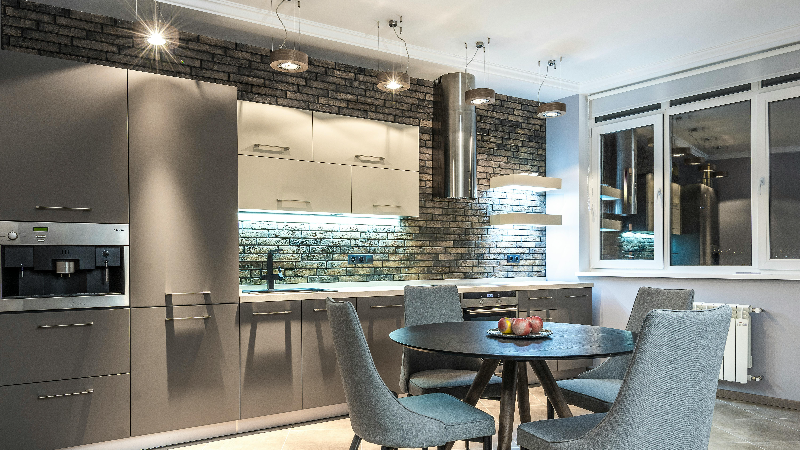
(568, 341)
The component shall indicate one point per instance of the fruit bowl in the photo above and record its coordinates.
(494, 332)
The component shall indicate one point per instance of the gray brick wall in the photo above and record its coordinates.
(451, 237)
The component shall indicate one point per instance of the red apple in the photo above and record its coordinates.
(536, 323)
(504, 325)
(521, 326)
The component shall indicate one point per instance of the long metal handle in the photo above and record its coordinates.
(271, 313)
(65, 325)
(69, 394)
(576, 296)
(187, 318)
(541, 298)
(491, 310)
(64, 208)
(371, 159)
(386, 306)
(320, 309)
(292, 200)
(386, 206)
(266, 148)
(189, 293)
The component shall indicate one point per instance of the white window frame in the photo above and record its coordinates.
(655, 120)
(761, 184)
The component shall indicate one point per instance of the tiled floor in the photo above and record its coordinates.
(736, 425)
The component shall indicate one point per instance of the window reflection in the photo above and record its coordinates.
(784, 190)
(626, 194)
(710, 190)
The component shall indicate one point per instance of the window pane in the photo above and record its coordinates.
(710, 190)
(626, 194)
(784, 189)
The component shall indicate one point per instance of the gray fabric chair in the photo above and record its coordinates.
(377, 416)
(596, 389)
(667, 397)
(425, 372)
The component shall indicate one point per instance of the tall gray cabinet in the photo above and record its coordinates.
(63, 141)
(184, 253)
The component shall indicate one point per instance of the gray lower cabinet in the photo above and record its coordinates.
(45, 346)
(271, 373)
(322, 382)
(63, 140)
(58, 414)
(184, 367)
(183, 190)
(380, 316)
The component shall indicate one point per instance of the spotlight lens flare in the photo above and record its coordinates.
(156, 38)
(394, 85)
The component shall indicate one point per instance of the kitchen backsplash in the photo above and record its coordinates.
(450, 239)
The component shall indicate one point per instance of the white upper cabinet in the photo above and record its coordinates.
(275, 184)
(271, 130)
(355, 141)
(385, 192)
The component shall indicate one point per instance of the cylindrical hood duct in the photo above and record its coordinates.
(458, 136)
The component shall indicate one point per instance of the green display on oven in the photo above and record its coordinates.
(40, 228)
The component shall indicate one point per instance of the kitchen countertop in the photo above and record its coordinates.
(386, 288)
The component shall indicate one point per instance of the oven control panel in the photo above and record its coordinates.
(485, 299)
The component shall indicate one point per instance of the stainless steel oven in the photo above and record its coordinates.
(54, 265)
(489, 305)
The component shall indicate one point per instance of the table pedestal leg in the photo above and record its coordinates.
(551, 389)
(523, 396)
(480, 382)
(508, 389)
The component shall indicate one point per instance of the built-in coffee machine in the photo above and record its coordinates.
(49, 265)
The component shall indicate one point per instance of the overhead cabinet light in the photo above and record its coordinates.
(525, 219)
(525, 181)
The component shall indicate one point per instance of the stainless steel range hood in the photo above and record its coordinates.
(458, 137)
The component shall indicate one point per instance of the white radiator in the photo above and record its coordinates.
(738, 357)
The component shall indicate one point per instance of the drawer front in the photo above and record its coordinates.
(46, 346)
(57, 414)
(271, 366)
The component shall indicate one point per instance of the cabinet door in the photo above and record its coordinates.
(58, 414)
(57, 345)
(322, 382)
(184, 229)
(352, 140)
(379, 317)
(184, 367)
(274, 130)
(63, 140)
(270, 358)
(274, 184)
(384, 191)
(574, 306)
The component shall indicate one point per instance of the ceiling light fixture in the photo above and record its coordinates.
(156, 34)
(480, 96)
(284, 59)
(394, 81)
(552, 109)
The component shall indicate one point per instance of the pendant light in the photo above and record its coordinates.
(157, 34)
(284, 59)
(480, 96)
(552, 109)
(394, 81)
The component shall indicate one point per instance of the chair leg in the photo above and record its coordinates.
(466, 444)
(356, 442)
(487, 442)
(551, 413)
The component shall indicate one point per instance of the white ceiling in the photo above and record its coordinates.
(604, 44)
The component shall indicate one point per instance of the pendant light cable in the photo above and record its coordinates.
(285, 31)
(405, 44)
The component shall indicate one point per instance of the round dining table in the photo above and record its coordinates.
(567, 341)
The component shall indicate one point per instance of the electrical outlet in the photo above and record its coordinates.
(513, 259)
(359, 259)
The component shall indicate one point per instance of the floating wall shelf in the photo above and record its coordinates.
(524, 219)
(609, 193)
(525, 181)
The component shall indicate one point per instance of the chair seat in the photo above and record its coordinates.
(596, 395)
(543, 433)
(459, 420)
(449, 381)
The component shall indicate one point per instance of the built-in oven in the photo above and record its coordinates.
(54, 265)
(489, 305)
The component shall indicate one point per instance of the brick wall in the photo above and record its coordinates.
(451, 237)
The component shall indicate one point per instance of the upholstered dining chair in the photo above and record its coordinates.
(667, 396)
(377, 416)
(424, 372)
(596, 389)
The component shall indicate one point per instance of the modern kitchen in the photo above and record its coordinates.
(199, 194)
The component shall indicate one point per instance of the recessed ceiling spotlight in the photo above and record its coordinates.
(284, 59)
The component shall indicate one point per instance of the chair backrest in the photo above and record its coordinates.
(667, 396)
(431, 304)
(375, 414)
(648, 299)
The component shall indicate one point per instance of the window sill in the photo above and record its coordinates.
(742, 275)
